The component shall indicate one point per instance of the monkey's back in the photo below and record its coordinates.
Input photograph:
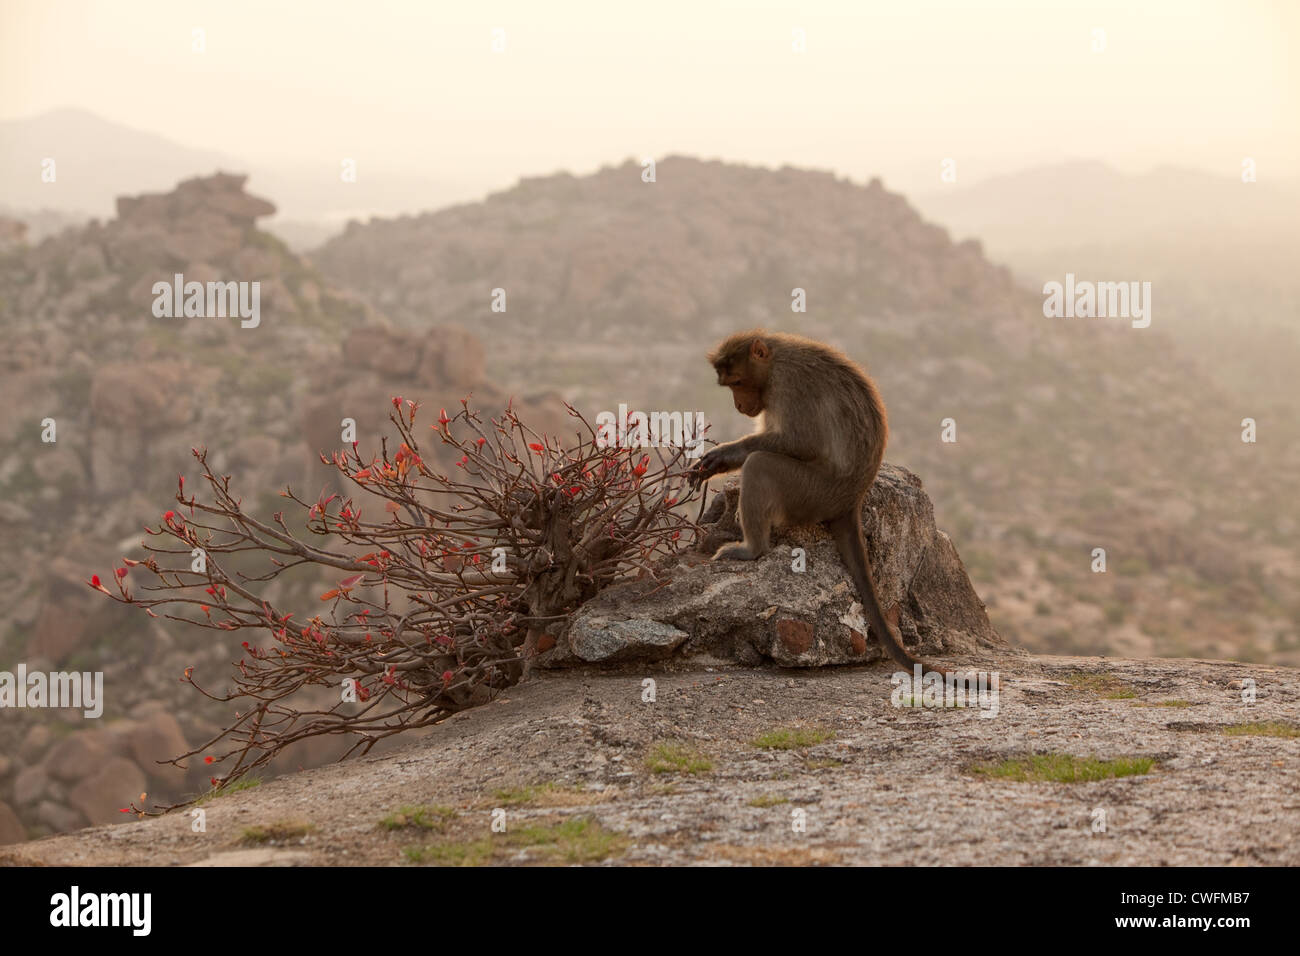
(821, 393)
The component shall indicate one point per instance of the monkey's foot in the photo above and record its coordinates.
(736, 551)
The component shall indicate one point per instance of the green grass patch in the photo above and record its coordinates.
(468, 853)
(1105, 686)
(575, 840)
(276, 832)
(792, 738)
(674, 756)
(1064, 768)
(426, 817)
(528, 793)
(767, 800)
(243, 783)
(1265, 728)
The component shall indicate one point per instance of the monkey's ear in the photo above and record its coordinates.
(758, 349)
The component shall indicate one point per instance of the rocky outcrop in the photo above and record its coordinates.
(795, 606)
(131, 393)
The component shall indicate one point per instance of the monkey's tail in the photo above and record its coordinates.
(847, 531)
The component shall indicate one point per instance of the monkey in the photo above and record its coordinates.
(819, 443)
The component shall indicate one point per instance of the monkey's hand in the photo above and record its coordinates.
(723, 458)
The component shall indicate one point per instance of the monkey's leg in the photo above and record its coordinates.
(773, 490)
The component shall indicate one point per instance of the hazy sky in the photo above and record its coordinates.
(888, 88)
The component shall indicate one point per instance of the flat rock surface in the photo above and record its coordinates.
(889, 786)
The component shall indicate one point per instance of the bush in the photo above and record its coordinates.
(445, 586)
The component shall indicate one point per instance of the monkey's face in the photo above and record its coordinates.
(749, 400)
(742, 364)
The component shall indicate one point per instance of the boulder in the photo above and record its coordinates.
(58, 817)
(102, 794)
(452, 358)
(75, 756)
(30, 785)
(156, 738)
(11, 828)
(790, 611)
(383, 349)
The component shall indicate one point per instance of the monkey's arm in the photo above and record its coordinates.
(732, 455)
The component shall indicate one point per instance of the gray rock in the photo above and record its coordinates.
(30, 785)
(769, 610)
(598, 639)
(58, 817)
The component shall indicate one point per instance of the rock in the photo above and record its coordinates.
(767, 611)
(383, 349)
(87, 261)
(58, 817)
(35, 742)
(157, 737)
(60, 628)
(30, 785)
(452, 357)
(261, 856)
(11, 828)
(76, 755)
(13, 514)
(129, 396)
(102, 794)
(599, 639)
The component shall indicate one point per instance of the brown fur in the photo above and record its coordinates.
(819, 445)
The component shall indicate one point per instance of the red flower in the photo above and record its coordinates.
(94, 581)
(209, 759)
(536, 447)
(442, 417)
(121, 572)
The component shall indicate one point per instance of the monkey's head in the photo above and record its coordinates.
(743, 362)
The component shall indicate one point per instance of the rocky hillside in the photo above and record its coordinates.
(1087, 762)
(130, 394)
(1071, 434)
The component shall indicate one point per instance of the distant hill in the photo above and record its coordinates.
(1221, 255)
(1090, 203)
(98, 160)
(1071, 435)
